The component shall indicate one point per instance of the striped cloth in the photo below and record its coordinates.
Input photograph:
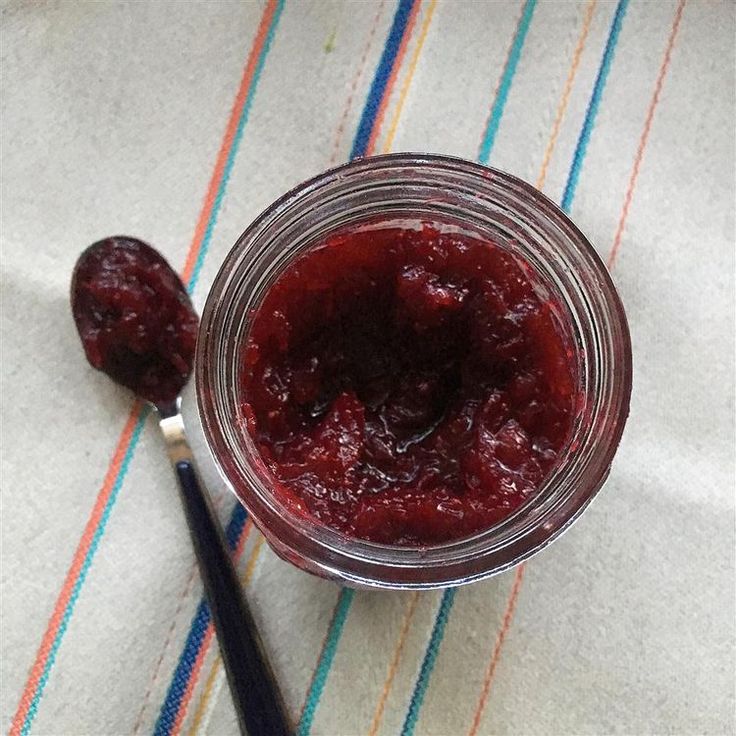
(178, 122)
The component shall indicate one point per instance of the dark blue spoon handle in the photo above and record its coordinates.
(254, 690)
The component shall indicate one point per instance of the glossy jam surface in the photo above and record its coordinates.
(134, 317)
(408, 385)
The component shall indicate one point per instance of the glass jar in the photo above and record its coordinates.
(518, 218)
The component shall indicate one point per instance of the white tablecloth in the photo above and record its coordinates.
(177, 122)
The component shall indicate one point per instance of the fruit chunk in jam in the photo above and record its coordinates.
(408, 384)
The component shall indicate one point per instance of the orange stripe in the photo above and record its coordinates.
(491, 670)
(73, 573)
(645, 133)
(125, 437)
(209, 688)
(392, 80)
(409, 77)
(562, 107)
(243, 538)
(405, 626)
(228, 138)
(176, 729)
(251, 566)
(511, 604)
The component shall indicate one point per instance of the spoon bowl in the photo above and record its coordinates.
(138, 325)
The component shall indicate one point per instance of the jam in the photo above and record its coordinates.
(408, 383)
(135, 318)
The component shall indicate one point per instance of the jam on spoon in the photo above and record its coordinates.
(135, 318)
(138, 325)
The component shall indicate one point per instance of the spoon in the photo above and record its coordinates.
(138, 325)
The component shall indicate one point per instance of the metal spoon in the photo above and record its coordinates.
(138, 325)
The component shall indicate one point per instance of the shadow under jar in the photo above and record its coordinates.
(454, 196)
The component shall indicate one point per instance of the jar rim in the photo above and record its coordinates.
(458, 561)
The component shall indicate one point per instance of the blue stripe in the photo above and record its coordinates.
(325, 661)
(212, 221)
(430, 657)
(195, 638)
(167, 716)
(43, 680)
(236, 525)
(380, 80)
(494, 120)
(438, 630)
(593, 105)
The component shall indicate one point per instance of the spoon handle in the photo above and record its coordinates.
(255, 694)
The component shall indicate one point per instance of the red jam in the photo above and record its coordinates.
(408, 385)
(135, 319)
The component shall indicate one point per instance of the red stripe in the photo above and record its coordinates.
(645, 134)
(508, 617)
(354, 83)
